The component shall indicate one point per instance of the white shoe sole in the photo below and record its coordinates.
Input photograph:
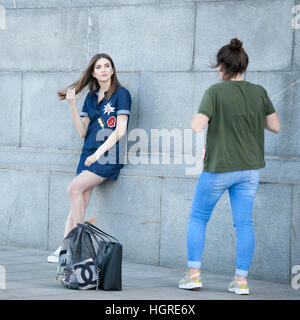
(190, 286)
(239, 291)
(51, 259)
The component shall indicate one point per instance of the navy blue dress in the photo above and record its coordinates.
(103, 120)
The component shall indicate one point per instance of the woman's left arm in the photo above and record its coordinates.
(116, 135)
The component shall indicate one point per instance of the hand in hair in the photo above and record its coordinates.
(70, 97)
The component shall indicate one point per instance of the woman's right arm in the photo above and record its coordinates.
(272, 123)
(81, 126)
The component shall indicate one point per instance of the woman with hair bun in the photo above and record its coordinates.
(236, 112)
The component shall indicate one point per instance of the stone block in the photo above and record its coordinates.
(272, 224)
(47, 121)
(134, 218)
(219, 22)
(177, 195)
(131, 81)
(10, 108)
(283, 90)
(47, 40)
(144, 37)
(24, 213)
(169, 101)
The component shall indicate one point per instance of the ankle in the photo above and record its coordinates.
(240, 278)
(194, 272)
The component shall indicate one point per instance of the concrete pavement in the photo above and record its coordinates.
(30, 277)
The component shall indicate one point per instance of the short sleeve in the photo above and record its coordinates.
(84, 111)
(269, 108)
(123, 102)
(207, 104)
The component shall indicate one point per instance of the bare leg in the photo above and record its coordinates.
(85, 181)
(70, 223)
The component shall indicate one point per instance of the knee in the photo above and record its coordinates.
(199, 216)
(73, 190)
(243, 224)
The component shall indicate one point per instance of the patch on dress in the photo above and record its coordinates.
(111, 122)
(108, 108)
(100, 121)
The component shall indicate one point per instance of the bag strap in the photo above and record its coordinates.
(101, 232)
(92, 233)
(98, 234)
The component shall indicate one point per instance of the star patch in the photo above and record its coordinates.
(108, 108)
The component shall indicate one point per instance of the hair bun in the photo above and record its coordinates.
(235, 44)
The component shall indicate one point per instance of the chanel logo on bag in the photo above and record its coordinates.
(86, 274)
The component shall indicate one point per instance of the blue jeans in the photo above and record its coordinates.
(242, 186)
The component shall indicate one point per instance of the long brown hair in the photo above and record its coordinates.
(87, 79)
(232, 58)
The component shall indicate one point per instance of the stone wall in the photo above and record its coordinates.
(162, 50)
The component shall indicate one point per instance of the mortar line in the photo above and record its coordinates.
(21, 110)
(88, 33)
(194, 36)
(71, 5)
(293, 45)
(291, 233)
(139, 71)
(160, 213)
(139, 96)
(48, 218)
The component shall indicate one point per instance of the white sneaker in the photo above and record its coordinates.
(190, 283)
(239, 287)
(53, 257)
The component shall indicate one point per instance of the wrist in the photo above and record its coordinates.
(72, 105)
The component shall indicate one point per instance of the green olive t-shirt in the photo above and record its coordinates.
(235, 134)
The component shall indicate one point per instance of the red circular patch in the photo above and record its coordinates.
(111, 121)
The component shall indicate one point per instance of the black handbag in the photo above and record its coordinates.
(108, 259)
